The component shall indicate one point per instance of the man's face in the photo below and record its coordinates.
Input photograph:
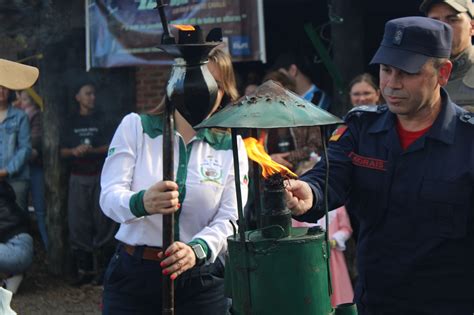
(461, 24)
(86, 97)
(408, 94)
(4, 92)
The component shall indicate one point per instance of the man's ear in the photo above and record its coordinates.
(444, 72)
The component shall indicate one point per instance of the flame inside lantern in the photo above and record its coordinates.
(183, 27)
(256, 153)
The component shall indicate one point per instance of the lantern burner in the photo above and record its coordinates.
(274, 212)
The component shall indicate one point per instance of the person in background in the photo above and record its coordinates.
(33, 111)
(296, 148)
(339, 232)
(202, 198)
(298, 67)
(459, 15)
(364, 90)
(407, 169)
(15, 143)
(16, 245)
(84, 144)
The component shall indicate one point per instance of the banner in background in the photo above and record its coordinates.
(126, 32)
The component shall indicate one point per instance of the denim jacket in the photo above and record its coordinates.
(15, 144)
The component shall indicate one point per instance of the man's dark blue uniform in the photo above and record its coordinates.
(414, 201)
(415, 207)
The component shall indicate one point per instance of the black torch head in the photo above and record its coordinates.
(191, 88)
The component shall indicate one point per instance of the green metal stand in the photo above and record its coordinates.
(286, 275)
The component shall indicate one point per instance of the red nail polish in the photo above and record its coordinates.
(167, 254)
(173, 276)
(165, 272)
(162, 264)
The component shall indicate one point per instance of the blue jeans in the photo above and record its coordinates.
(16, 254)
(132, 286)
(37, 196)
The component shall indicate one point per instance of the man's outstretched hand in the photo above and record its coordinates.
(299, 196)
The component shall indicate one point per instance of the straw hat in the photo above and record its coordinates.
(16, 76)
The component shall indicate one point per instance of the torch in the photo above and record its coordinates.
(192, 91)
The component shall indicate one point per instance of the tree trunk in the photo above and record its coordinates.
(55, 179)
(55, 175)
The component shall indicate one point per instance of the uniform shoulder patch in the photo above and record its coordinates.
(338, 133)
(361, 110)
(467, 118)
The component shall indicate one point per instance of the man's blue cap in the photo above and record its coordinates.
(410, 41)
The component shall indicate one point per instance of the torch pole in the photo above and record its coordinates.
(168, 171)
(168, 220)
(166, 38)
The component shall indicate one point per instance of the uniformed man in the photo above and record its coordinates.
(407, 167)
(459, 15)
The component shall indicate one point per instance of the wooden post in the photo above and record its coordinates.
(55, 177)
(348, 46)
(51, 83)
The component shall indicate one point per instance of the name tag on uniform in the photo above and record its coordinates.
(368, 162)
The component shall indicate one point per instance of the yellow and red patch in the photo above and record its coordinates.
(338, 133)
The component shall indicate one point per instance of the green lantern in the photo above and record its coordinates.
(275, 269)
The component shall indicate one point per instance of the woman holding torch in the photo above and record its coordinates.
(202, 198)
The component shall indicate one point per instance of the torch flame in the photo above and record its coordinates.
(183, 27)
(256, 152)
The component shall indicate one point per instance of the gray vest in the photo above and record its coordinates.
(461, 83)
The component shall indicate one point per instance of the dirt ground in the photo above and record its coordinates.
(43, 294)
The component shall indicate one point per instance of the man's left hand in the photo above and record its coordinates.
(179, 258)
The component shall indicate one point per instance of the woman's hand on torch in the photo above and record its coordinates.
(299, 196)
(179, 257)
(162, 198)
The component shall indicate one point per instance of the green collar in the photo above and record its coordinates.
(219, 140)
(152, 125)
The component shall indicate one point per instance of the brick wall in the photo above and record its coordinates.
(151, 82)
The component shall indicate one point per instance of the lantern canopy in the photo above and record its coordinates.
(270, 106)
